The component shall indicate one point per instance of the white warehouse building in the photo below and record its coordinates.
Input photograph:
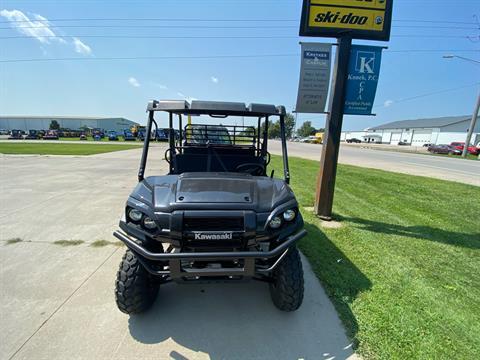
(26, 123)
(444, 130)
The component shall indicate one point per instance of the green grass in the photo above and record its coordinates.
(89, 138)
(403, 271)
(13, 241)
(61, 149)
(102, 243)
(469, 156)
(68, 242)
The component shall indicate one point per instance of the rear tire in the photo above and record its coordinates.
(286, 290)
(135, 288)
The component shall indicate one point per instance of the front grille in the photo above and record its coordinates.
(213, 224)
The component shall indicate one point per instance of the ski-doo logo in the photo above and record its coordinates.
(214, 236)
(331, 17)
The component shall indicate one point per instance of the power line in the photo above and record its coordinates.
(218, 37)
(216, 20)
(431, 94)
(128, 26)
(205, 56)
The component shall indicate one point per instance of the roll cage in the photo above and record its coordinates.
(203, 147)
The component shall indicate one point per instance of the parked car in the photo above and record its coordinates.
(32, 135)
(403, 143)
(128, 136)
(428, 145)
(51, 135)
(141, 135)
(444, 149)
(112, 135)
(3, 132)
(98, 133)
(162, 134)
(460, 145)
(354, 140)
(16, 135)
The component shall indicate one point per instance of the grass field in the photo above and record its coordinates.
(61, 149)
(403, 270)
(105, 139)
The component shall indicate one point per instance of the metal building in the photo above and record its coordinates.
(26, 123)
(418, 132)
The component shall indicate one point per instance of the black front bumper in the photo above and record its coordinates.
(247, 260)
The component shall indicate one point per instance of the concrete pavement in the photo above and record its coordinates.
(56, 302)
(439, 167)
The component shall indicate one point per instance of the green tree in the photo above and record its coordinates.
(306, 129)
(54, 125)
(274, 130)
(289, 125)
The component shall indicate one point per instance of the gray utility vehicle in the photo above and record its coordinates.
(216, 216)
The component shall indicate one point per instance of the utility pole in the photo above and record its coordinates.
(473, 123)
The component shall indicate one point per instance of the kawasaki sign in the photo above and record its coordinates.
(213, 236)
(360, 19)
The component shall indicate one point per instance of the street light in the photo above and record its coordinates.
(475, 111)
(460, 57)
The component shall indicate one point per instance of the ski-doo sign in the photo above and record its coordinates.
(360, 19)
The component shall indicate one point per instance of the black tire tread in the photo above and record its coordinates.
(287, 289)
(135, 291)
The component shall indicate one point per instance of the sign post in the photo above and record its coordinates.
(355, 77)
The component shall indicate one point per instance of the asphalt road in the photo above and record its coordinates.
(440, 167)
(57, 302)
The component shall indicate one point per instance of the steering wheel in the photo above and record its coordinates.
(251, 168)
(167, 155)
(269, 157)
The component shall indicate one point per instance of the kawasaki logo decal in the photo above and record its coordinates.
(214, 236)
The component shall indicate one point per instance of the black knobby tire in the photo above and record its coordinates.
(286, 289)
(135, 288)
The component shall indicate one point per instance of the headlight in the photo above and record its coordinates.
(289, 215)
(149, 223)
(275, 223)
(135, 215)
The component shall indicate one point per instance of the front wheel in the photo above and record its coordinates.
(135, 288)
(286, 290)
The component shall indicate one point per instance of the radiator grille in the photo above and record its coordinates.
(213, 224)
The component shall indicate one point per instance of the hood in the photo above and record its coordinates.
(212, 191)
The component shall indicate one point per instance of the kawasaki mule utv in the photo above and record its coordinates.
(216, 216)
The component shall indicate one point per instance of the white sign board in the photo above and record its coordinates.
(314, 77)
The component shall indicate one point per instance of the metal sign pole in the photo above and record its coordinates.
(333, 129)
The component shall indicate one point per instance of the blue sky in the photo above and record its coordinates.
(97, 87)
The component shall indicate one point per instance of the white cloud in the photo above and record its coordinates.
(134, 82)
(81, 47)
(388, 103)
(185, 97)
(38, 27)
(214, 79)
(160, 86)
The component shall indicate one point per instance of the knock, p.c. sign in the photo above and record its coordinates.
(363, 72)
